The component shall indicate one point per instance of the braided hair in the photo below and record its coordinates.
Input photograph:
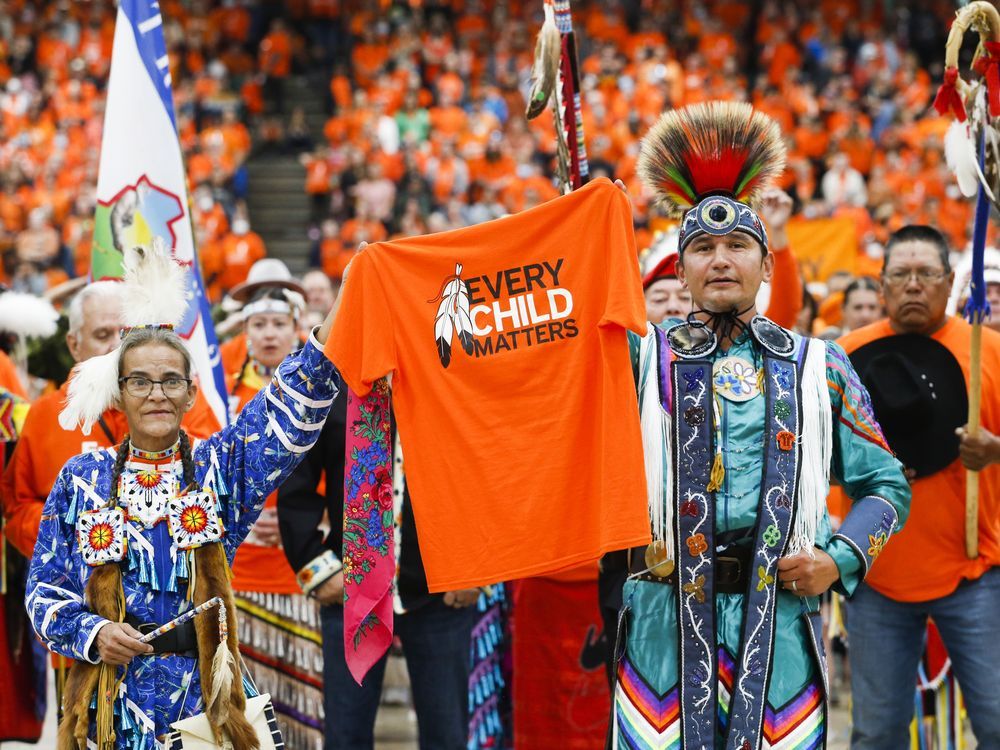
(187, 459)
(120, 458)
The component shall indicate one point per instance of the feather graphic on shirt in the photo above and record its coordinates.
(463, 320)
(444, 329)
(452, 316)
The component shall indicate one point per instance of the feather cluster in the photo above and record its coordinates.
(155, 285)
(715, 148)
(544, 74)
(93, 389)
(153, 293)
(27, 316)
(223, 672)
(453, 318)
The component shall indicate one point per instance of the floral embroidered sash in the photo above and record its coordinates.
(369, 559)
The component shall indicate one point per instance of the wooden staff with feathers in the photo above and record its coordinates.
(972, 150)
(556, 79)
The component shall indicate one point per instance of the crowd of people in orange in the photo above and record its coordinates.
(54, 65)
(427, 131)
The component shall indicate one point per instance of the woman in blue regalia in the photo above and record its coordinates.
(134, 536)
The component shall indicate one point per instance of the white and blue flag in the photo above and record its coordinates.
(141, 185)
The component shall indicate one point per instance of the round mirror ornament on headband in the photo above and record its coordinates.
(718, 215)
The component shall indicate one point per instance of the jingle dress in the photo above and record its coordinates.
(241, 465)
(279, 628)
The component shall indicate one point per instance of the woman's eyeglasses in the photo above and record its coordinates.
(139, 386)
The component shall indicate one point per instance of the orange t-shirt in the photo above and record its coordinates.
(926, 560)
(9, 378)
(522, 446)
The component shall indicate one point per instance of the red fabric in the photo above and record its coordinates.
(560, 699)
(18, 718)
(948, 98)
(665, 268)
(989, 67)
(17, 709)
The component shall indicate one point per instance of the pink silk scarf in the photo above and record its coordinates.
(368, 555)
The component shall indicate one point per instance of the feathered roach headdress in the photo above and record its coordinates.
(153, 296)
(711, 163)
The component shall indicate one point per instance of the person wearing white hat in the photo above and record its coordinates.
(279, 625)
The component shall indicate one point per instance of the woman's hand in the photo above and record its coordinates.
(324, 331)
(118, 643)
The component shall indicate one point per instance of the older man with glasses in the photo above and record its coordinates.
(915, 364)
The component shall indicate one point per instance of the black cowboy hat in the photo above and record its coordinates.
(919, 397)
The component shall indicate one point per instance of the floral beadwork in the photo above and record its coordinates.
(696, 589)
(697, 545)
(772, 535)
(101, 534)
(763, 578)
(876, 542)
(194, 520)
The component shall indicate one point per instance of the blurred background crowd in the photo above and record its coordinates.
(425, 128)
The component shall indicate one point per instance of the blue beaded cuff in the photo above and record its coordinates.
(868, 527)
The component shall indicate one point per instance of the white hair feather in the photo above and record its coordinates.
(154, 290)
(27, 316)
(153, 293)
(93, 389)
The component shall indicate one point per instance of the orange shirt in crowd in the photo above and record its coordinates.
(233, 353)
(276, 54)
(786, 289)
(360, 230)
(926, 560)
(334, 256)
(239, 252)
(257, 567)
(9, 378)
(318, 174)
(550, 295)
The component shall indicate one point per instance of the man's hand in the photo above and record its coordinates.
(979, 451)
(776, 210)
(331, 591)
(265, 531)
(807, 576)
(462, 598)
(118, 643)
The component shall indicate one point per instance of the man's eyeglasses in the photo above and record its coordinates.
(900, 276)
(139, 386)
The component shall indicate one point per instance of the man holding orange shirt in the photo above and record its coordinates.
(916, 364)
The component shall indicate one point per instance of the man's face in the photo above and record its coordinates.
(916, 287)
(319, 292)
(993, 297)
(154, 419)
(99, 331)
(724, 273)
(666, 298)
(863, 306)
